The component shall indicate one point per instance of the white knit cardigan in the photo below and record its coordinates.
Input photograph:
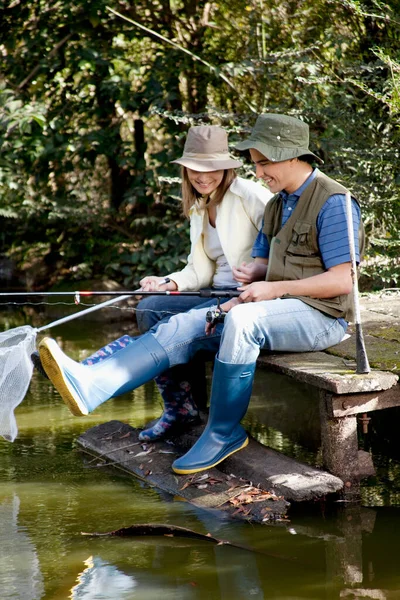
(239, 218)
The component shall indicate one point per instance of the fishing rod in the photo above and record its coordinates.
(18, 344)
(362, 363)
(87, 294)
(120, 296)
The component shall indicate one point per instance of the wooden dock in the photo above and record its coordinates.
(346, 398)
(116, 444)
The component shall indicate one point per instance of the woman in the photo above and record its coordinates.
(225, 213)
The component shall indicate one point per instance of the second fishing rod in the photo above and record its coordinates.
(207, 293)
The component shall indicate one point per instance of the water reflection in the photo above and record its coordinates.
(347, 555)
(49, 495)
(20, 575)
(102, 580)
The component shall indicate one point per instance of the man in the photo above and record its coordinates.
(305, 299)
(296, 297)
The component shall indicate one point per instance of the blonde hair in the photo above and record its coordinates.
(190, 195)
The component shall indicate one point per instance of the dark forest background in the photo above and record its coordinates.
(96, 98)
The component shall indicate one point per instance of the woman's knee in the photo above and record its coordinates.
(149, 313)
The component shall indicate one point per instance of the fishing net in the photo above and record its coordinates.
(16, 366)
(16, 347)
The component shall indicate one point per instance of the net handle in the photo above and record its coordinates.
(81, 313)
(202, 294)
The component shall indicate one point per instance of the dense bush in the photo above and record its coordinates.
(94, 105)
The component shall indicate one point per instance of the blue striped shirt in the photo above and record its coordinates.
(333, 239)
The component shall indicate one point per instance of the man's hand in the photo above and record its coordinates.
(249, 272)
(226, 307)
(336, 281)
(259, 290)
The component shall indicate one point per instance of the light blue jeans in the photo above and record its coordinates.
(281, 325)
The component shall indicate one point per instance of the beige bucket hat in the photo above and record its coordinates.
(279, 137)
(206, 149)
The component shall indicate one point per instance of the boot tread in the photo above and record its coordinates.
(189, 471)
(57, 377)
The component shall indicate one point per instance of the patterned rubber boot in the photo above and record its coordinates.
(101, 354)
(85, 387)
(108, 350)
(180, 411)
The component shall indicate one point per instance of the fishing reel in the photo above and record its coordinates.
(215, 316)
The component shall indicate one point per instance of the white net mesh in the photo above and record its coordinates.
(16, 347)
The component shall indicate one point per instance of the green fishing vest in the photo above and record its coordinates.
(294, 250)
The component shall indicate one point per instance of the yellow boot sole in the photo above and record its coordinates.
(190, 471)
(56, 376)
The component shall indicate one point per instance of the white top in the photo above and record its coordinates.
(223, 277)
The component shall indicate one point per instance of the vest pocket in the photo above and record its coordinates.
(301, 242)
(300, 267)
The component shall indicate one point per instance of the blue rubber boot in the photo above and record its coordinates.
(223, 435)
(83, 388)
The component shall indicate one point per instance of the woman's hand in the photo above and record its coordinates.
(157, 284)
(249, 272)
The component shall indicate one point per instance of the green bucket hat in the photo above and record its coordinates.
(279, 137)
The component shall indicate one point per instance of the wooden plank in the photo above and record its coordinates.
(326, 372)
(296, 481)
(343, 406)
(381, 345)
(380, 317)
(115, 444)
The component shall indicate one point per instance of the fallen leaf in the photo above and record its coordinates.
(143, 453)
(187, 484)
(213, 481)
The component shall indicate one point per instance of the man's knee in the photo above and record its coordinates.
(241, 317)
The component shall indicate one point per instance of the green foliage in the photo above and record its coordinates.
(164, 252)
(94, 106)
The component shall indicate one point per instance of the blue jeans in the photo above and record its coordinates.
(281, 325)
(179, 385)
(153, 309)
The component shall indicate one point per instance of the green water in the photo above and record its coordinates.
(50, 493)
